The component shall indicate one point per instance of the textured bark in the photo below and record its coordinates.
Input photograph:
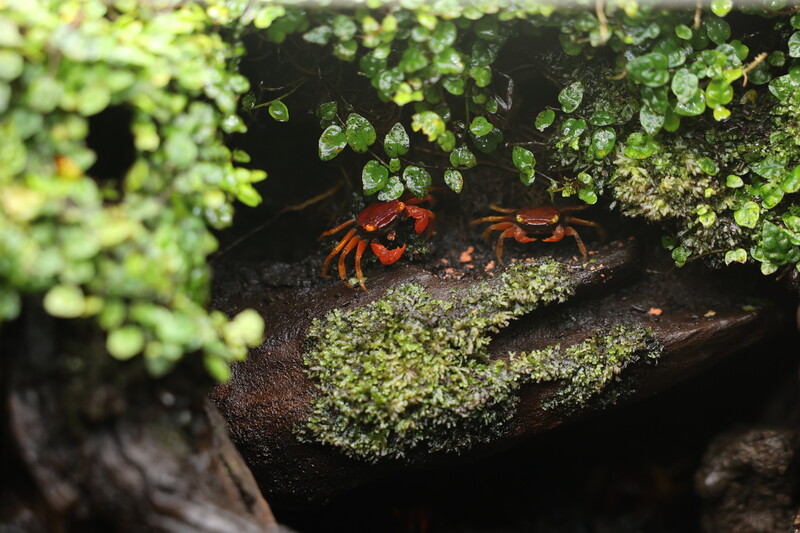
(121, 453)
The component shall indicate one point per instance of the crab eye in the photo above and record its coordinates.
(554, 219)
(370, 227)
(520, 219)
(400, 206)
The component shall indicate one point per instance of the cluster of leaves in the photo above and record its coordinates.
(421, 377)
(127, 251)
(644, 94)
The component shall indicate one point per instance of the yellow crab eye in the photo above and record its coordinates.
(554, 219)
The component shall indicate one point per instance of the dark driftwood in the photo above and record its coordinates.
(109, 454)
(703, 319)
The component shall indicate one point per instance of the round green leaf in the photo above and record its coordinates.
(359, 133)
(480, 126)
(392, 191)
(603, 141)
(684, 85)
(570, 97)
(735, 256)
(747, 215)
(430, 123)
(374, 177)
(462, 157)
(791, 183)
(65, 301)
(279, 111)
(708, 166)
(417, 180)
(396, 142)
(454, 179)
(11, 65)
(733, 181)
(717, 29)
(125, 342)
(650, 120)
(649, 69)
(683, 32)
(544, 119)
(524, 160)
(794, 44)
(721, 7)
(771, 195)
(448, 61)
(331, 142)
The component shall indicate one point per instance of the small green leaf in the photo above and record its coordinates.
(396, 142)
(11, 65)
(392, 191)
(319, 35)
(481, 75)
(544, 119)
(344, 27)
(359, 133)
(771, 195)
(735, 256)
(603, 141)
(570, 97)
(374, 177)
(480, 126)
(65, 301)
(454, 179)
(794, 44)
(449, 61)
(125, 342)
(327, 111)
(680, 255)
(462, 157)
(684, 85)
(706, 215)
(708, 166)
(588, 195)
(733, 181)
(417, 180)
(447, 141)
(747, 215)
(683, 32)
(525, 161)
(649, 69)
(279, 111)
(650, 120)
(430, 123)
(442, 37)
(693, 107)
(791, 183)
(721, 7)
(717, 29)
(217, 367)
(331, 142)
(394, 165)
(245, 329)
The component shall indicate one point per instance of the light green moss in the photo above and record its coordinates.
(413, 372)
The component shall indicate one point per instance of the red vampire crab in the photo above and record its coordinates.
(541, 220)
(377, 221)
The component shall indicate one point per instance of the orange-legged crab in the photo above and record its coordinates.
(521, 223)
(377, 221)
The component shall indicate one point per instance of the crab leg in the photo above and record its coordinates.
(362, 245)
(513, 231)
(349, 235)
(386, 256)
(423, 218)
(595, 225)
(416, 201)
(337, 228)
(500, 225)
(347, 249)
(499, 209)
(495, 218)
(571, 231)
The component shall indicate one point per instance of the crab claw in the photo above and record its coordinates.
(422, 218)
(385, 255)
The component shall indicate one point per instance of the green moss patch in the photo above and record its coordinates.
(411, 372)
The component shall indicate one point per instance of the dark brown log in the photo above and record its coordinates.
(701, 320)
